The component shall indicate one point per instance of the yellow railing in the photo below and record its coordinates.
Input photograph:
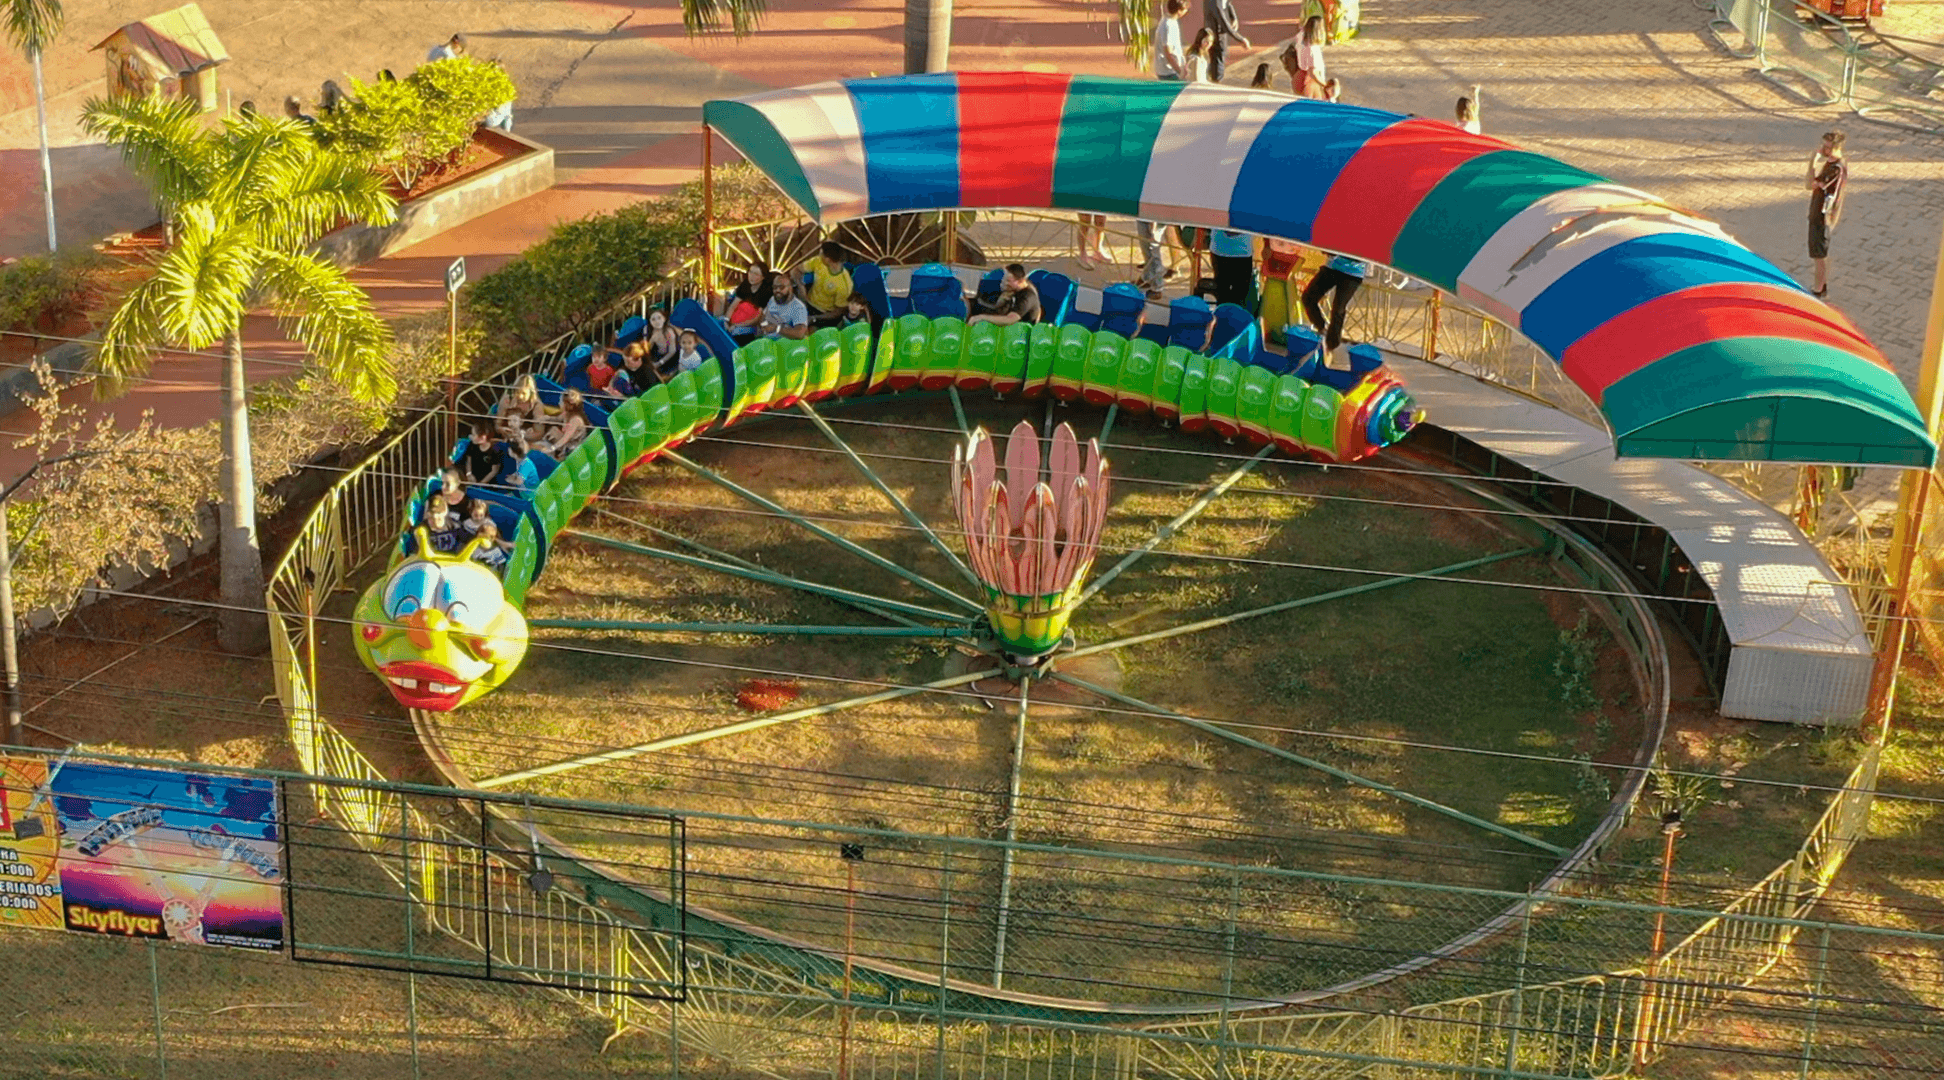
(1593, 1026)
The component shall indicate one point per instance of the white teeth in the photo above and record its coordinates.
(442, 688)
(409, 684)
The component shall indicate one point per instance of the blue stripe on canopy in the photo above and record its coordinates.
(1629, 274)
(1274, 193)
(911, 143)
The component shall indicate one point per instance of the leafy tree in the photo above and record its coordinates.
(409, 126)
(33, 25)
(245, 204)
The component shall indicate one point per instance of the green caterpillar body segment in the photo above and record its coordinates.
(1071, 362)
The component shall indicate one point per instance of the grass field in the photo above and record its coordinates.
(1352, 682)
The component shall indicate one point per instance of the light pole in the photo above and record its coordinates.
(852, 854)
(1670, 823)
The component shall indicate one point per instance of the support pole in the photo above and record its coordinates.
(752, 724)
(708, 217)
(1012, 838)
(736, 561)
(1304, 601)
(769, 577)
(944, 954)
(1311, 763)
(47, 166)
(1912, 493)
(155, 999)
(884, 489)
(9, 646)
(752, 628)
(1167, 531)
(850, 940)
(452, 368)
(805, 523)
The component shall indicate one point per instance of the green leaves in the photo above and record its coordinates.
(579, 269)
(713, 16)
(162, 141)
(33, 24)
(409, 126)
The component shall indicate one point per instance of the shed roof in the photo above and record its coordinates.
(181, 40)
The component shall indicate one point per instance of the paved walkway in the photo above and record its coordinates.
(1636, 91)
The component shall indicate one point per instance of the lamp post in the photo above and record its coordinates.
(1670, 824)
(852, 854)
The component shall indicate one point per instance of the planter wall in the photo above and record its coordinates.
(443, 208)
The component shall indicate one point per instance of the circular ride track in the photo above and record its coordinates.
(1277, 656)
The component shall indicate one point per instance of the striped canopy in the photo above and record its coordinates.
(1693, 346)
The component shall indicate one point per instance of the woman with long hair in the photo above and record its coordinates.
(1303, 59)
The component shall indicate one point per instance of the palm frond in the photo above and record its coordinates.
(206, 278)
(1136, 20)
(258, 155)
(739, 17)
(129, 340)
(326, 190)
(320, 307)
(33, 24)
(162, 141)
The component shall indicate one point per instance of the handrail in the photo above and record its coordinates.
(344, 531)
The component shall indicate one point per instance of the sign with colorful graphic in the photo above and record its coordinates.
(160, 854)
(30, 877)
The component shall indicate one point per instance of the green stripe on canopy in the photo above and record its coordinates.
(1106, 137)
(765, 147)
(1468, 206)
(1793, 401)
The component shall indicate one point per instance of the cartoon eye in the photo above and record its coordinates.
(466, 589)
(456, 611)
(412, 587)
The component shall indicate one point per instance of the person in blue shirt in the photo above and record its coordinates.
(1234, 256)
(1339, 279)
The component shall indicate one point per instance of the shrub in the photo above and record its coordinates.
(409, 127)
(40, 292)
(571, 276)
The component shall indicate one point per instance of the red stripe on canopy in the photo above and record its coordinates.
(1667, 324)
(1381, 186)
(1009, 132)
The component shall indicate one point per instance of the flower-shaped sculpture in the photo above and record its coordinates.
(1030, 540)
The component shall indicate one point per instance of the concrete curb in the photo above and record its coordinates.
(448, 207)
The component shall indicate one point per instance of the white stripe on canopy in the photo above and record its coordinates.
(1199, 152)
(820, 125)
(1546, 240)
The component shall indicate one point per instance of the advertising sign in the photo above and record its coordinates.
(176, 855)
(30, 879)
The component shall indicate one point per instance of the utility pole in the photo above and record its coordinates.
(9, 647)
(455, 279)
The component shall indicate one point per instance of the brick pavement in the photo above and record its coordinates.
(1637, 91)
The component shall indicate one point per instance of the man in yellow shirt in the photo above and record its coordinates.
(832, 285)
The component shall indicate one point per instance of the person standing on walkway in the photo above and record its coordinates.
(1219, 19)
(452, 46)
(1233, 254)
(1828, 177)
(1466, 114)
(1339, 279)
(1170, 61)
(1197, 64)
(1303, 59)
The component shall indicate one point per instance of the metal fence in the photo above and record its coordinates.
(1830, 61)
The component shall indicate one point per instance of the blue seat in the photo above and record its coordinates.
(1055, 293)
(990, 285)
(573, 373)
(936, 293)
(630, 332)
(549, 391)
(716, 342)
(1277, 363)
(535, 467)
(1188, 319)
(1121, 306)
(868, 281)
(1237, 334)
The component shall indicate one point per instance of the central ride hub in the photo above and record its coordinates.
(1030, 537)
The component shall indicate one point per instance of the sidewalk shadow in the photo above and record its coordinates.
(94, 195)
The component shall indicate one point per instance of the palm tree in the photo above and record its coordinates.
(244, 203)
(33, 25)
